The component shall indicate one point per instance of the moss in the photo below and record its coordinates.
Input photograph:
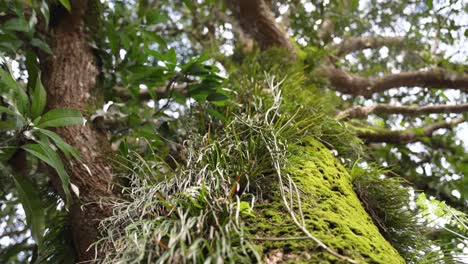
(332, 212)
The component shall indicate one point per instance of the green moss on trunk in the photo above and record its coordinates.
(332, 212)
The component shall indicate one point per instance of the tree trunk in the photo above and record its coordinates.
(69, 76)
(332, 213)
(331, 209)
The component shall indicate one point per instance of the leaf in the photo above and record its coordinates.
(60, 143)
(32, 67)
(41, 45)
(429, 4)
(217, 97)
(45, 12)
(38, 100)
(66, 4)
(217, 114)
(7, 110)
(171, 58)
(10, 253)
(189, 4)
(20, 98)
(44, 152)
(16, 24)
(7, 153)
(32, 205)
(16, 123)
(8, 125)
(61, 117)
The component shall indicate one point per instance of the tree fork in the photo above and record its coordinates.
(69, 76)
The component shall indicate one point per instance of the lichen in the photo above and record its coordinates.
(332, 212)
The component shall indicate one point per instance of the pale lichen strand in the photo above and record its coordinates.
(332, 212)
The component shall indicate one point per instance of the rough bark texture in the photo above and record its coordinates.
(406, 136)
(367, 86)
(360, 43)
(257, 20)
(364, 111)
(69, 76)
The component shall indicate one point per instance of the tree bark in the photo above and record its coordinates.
(438, 78)
(69, 76)
(256, 18)
(330, 209)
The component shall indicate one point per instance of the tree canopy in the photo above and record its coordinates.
(233, 131)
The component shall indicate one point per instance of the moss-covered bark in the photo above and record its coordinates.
(332, 211)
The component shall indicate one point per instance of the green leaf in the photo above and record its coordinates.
(17, 123)
(32, 205)
(61, 117)
(41, 45)
(44, 152)
(7, 153)
(60, 143)
(33, 69)
(8, 125)
(171, 58)
(429, 4)
(7, 110)
(217, 114)
(20, 97)
(217, 97)
(38, 100)
(66, 4)
(189, 4)
(16, 24)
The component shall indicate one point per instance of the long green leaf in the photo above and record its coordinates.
(38, 101)
(20, 97)
(41, 45)
(66, 4)
(61, 117)
(16, 24)
(32, 205)
(44, 152)
(7, 110)
(60, 143)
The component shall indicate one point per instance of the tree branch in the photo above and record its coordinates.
(360, 43)
(406, 136)
(246, 41)
(363, 111)
(367, 86)
(144, 95)
(256, 19)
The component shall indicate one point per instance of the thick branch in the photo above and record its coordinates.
(363, 111)
(246, 41)
(256, 18)
(407, 136)
(367, 86)
(160, 92)
(360, 43)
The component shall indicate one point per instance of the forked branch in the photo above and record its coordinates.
(354, 44)
(363, 111)
(356, 85)
(406, 136)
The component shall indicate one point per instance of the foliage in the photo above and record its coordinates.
(387, 200)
